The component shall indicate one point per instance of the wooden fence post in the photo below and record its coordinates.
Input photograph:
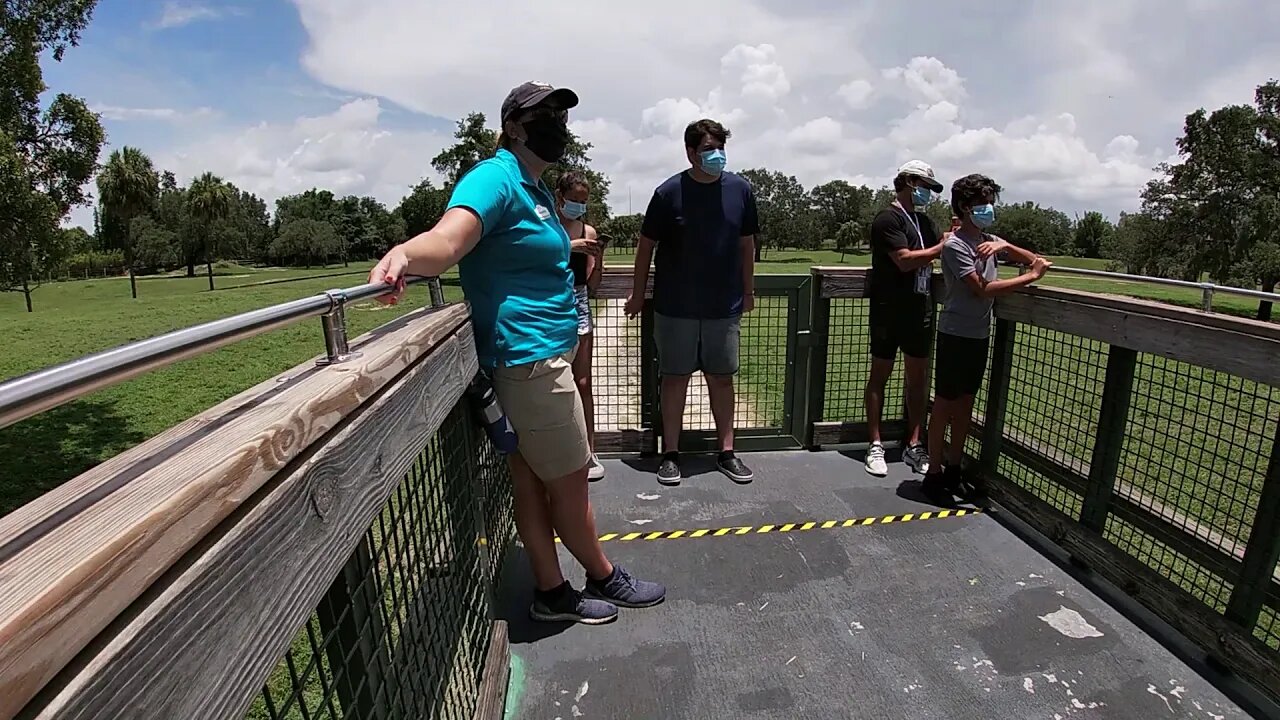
(997, 394)
(1263, 551)
(1113, 419)
(650, 413)
(816, 372)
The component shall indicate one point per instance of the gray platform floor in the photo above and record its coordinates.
(940, 618)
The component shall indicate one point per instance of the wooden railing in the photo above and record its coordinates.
(1157, 465)
(169, 581)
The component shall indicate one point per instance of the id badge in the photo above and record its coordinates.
(922, 281)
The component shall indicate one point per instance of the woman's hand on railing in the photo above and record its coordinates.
(391, 270)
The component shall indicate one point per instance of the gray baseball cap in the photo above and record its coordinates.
(536, 94)
(921, 169)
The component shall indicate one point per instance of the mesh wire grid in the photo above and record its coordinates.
(759, 388)
(1055, 391)
(1196, 447)
(616, 367)
(849, 366)
(760, 385)
(404, 629)
(1267, 628)
(1191, 576)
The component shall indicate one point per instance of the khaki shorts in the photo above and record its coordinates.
(544, 407)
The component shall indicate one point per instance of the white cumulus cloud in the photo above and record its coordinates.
(1070, 104)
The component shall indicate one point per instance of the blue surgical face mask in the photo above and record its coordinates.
(921, 196)
(574, 210)
(712, 161)
(984, 216)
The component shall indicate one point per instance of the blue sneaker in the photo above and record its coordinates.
(624, 590)
(565, 604)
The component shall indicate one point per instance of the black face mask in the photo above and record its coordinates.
(547, 138)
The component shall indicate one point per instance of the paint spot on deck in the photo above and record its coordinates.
(1071, 624)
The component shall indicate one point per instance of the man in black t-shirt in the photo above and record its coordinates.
(904, 244)
(702, 222)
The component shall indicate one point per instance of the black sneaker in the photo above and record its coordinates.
(625, 590)
(564, 604)
(967, 485)
(669, 469)
(730, 465)
(936, 488)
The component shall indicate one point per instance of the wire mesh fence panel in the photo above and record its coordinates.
(1267, 628)
(1055, 391)
(1196, 448)
(616, 367)
(973, 443)
(760, 387)
(403, 630)
(1191, 576)
(849, 366)
(1052, 492)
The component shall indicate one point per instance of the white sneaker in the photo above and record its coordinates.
(917, 458)
(595, 471)
(875, 460)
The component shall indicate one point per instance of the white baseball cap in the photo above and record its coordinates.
(921, 169)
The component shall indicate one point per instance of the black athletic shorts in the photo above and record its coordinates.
(959, 366)
(901, 323)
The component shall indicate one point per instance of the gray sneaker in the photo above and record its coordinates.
(916, 458)
(624, 590)
(572, 606)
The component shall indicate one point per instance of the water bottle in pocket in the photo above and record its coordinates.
(494, 420)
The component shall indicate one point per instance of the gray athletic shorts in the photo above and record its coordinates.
(686, 345)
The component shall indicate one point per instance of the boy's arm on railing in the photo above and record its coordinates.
(996, 288)
(1003, 248)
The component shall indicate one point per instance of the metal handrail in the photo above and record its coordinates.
(1204, 287)
(30, 394)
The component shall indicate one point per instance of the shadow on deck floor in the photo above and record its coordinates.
(946, 618)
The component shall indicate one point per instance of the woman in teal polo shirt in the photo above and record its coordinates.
(512, 253)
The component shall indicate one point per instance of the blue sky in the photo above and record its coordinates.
(1068, 104)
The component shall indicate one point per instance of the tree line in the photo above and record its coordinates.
(1213, 214)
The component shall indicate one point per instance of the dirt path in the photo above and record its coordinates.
(617, 379)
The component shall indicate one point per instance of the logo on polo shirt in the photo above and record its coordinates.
(542, 212)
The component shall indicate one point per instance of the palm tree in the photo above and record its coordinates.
(128, 187)
(208, 200)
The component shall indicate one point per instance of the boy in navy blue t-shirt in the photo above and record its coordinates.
(703, 223)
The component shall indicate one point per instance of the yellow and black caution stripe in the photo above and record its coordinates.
(784, 527)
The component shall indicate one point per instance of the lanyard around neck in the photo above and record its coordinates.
(914, 224)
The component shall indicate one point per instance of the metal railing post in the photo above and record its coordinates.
(1206, 296)
(334, 323)
(437, 292)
